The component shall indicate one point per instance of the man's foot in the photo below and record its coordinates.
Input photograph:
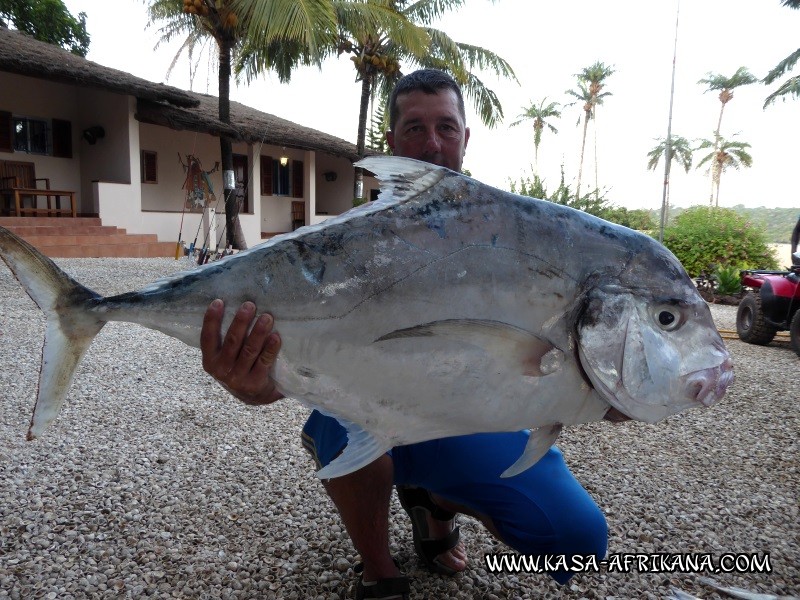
(436, 537)
(388, 588)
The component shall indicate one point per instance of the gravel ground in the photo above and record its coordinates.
(155, 483)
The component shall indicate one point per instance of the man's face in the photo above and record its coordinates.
(429, 127)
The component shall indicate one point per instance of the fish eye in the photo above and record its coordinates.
(668, 318)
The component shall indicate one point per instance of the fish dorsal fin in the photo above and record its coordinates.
(402, 178)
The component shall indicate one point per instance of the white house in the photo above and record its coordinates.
(122, 143)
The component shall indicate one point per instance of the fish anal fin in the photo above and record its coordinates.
(362, 449)
(534, 356)
(539, 443)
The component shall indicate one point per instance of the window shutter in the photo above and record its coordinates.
(266, 176)
(149, 166)
(297, 179)
(6, 132)
(62, 138)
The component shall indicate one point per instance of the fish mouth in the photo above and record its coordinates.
(702, 388)
(708, 386)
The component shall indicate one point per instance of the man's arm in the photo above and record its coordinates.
(241, 362)
(795, 236)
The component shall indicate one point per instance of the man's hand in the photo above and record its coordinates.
(241, 362)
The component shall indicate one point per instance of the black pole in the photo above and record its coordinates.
(668, 154)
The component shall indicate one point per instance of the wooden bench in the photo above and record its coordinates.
(18, 181)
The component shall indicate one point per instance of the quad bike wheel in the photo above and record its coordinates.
(794, 332)
(750, 323)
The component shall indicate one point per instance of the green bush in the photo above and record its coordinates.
(703, 237)
(728, 281)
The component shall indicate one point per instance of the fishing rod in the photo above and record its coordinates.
(180, 233)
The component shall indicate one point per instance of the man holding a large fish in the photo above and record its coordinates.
(444, 335)
(539, 510)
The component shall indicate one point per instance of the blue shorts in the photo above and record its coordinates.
(543, 510)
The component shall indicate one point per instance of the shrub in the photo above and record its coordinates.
(728, 281)
(702, 237)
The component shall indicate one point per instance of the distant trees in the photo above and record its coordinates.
(590, 94)
(703, 237)
(539, 115)
(680, 152)
(724, 155)
(47, 21)
(725, 85)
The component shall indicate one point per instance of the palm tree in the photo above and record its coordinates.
(538, 114)
(253, 34)
(725, 85)
(591, 81)
(790, 87)
(724, 155)
(680, 152)
(400, 35)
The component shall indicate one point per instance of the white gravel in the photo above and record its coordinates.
(154, 483)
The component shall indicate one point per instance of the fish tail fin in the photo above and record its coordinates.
(71, 327)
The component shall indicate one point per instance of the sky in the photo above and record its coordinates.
(547, 44)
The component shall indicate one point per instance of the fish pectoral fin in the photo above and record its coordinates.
(362, 448)
(506, 343)
(539, 442)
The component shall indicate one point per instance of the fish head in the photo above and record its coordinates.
(651, 355)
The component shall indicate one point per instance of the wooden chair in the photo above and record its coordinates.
(298, 214)
(19, 175)
(19, 184)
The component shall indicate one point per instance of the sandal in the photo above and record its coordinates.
(390, 587)
(418, 503)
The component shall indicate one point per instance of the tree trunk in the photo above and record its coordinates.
(716, 148)
(366, 89)
(596, 180)
(583, 149)
(233, 229)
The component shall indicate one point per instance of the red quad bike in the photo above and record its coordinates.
(771, 304)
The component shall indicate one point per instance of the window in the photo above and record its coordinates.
(281, 180)
(6, 132)
(149, 166)
(35, 136)
(30, 135)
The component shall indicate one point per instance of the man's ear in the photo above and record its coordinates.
(466, 137)
(390, 139)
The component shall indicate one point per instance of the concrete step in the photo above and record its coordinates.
(8, 222)
(105, 239)
(35, 230)
(151, 250)
(85, 237)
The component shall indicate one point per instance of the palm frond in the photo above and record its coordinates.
(310, 22)
(790, 87)
(787, 64)
(426, 11)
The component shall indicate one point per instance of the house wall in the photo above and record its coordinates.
(106, 176)
(334, 197)
(36, 98)
(109, 159)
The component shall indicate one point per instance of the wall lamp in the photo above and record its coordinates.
(92, 134)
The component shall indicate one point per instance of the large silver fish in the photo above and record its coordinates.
(446, 307)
